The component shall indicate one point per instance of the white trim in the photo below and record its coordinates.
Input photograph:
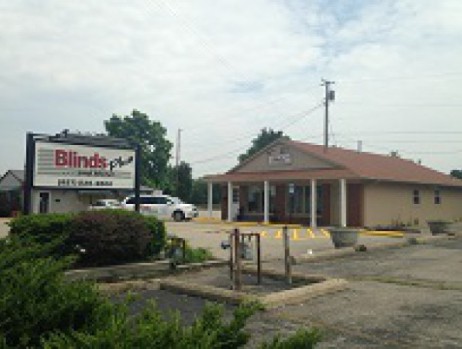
(230, 201)
(209, 198)
(343, 203)
(266, 197)
(314, 199)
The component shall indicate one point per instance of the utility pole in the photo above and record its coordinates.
(177, 158)
(329, 96)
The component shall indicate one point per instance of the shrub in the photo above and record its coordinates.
(110, 237)
(44, 228)
(34, 298)
(197, 255)
(107, 237)
(158, 235)
(152, 330)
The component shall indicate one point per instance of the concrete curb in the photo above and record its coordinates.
(137, 271)
(320, 286)
(345, 252)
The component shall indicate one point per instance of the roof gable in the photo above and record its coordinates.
(11, 180)
(281, 155)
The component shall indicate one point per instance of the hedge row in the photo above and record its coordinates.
(96, 237)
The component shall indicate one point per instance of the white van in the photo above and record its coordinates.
(162, 206)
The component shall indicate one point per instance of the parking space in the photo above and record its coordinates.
(303, 240)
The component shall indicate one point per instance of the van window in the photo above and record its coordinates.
(160, 200)
(147, 200)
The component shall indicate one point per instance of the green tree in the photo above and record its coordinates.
(199, 192)
(155, 147)
(181, 181)
(266, 136)
(456, 174)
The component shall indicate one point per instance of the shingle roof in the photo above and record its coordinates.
(19, 174)
(379, 167)
(349, 164)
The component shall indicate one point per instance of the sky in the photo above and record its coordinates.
(221, 70)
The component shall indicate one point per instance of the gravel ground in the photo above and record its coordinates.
(399, 298)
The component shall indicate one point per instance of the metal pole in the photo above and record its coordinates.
(237, 260)
(137, 177)
(28, 183)
(183, 247)
(326, 85)
(258, 260)
(288, 266)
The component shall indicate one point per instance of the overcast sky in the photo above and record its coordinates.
(223, 69)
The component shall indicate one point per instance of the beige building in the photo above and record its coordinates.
(351, 188)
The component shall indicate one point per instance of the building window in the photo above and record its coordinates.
(437, 198)
(416, 197)
(255, 199)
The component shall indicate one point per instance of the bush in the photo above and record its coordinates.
(34, 299)
(151, 330)
(110, 237)
(42, 228)
(158, 234)
(197, 255)
(105, 237)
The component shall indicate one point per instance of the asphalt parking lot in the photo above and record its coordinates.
(302, 240)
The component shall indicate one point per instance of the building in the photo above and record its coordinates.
(61, 200)
(351, 188)
(11, 193)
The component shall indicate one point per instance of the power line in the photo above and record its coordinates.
(283, 126)
(232, 152)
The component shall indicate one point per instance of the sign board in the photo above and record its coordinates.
(279, 156)
(64, 165)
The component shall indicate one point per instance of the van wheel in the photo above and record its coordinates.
(178, 216)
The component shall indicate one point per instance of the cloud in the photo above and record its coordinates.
(222, 70)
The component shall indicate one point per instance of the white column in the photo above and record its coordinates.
(314, 202)
(266, 197)
(343, 203)
(230, 201)
(210, 198)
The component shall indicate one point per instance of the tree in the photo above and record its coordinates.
(456, 174)
(155, 147)
(181, 181)
(266, 136)
(200, 193)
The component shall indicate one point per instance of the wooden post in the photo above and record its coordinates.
(231, 254)
(258, 259)
(237, 260)
(288, 266)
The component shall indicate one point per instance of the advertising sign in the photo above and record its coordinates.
(63, 165)
(279, 156)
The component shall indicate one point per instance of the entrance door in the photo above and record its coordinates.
(44, 203)
(235, 205)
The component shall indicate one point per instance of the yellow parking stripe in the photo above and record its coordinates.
(310, 233)
(295, 235)
(391, 234)
(325, 232)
